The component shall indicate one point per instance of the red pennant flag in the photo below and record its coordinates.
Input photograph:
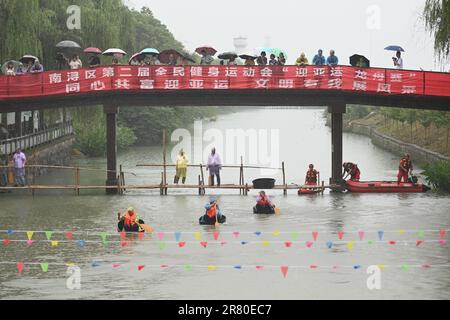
(259, 267)
(124, 243)
(418, 243)
(442, 234)
(392, 243)
(442, 242)
(426, 266)
(361, 235)
(69, 235)
(123, 235)
(309, 244)
(163, 266)
(204, 244)
(181, 244)
(216, 235)
(315, 235)
(288, 244)
(313, 266)
(223, 243)
(140, 268)
(140, 236)
(236, 234)
(341, 235)
(284, 270)
(20, 266)
(6, 242)
(116, 266)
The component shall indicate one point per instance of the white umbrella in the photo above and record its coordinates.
(114, 51)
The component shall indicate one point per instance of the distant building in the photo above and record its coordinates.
(240, 44)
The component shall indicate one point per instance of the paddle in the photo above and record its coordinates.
(277, 211)
(145, 227)
(217, 221)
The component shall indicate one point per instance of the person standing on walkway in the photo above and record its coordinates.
(332, 60)
(398, 61)
(3, 170)
(181, 167)
(214, 166)
(20, 160)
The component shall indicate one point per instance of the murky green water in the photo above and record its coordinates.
(303, 139)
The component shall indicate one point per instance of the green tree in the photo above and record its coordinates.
(437, 20)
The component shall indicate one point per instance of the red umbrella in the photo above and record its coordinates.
(93, 50)
(164, 55)
(209, 50)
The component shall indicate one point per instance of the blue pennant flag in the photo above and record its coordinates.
(356, 267)
(244, 243)
(258, 233)
(380, 235)
(10, 232)
(177, 236)
(95, 264)
(329, 244)
(238, 267)
(81, 243)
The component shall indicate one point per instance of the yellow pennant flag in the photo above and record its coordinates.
(30, 234)
(350, 245)
(276, 233)
(198, 236)
(55, 243)
(70, 265)
(402, 232)
(212, 268)
(381, 266)
(265, 243)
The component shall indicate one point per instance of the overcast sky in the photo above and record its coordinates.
(347, 26)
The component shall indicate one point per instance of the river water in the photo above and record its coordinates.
(110, 270)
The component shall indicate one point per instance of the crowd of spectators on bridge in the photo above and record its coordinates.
(31, 65)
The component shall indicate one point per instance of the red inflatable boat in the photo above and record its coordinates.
(385, 187)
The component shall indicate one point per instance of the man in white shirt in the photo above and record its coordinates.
(20, 160)
(398, 62)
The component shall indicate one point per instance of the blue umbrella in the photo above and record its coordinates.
(150, 51)
(394, 48)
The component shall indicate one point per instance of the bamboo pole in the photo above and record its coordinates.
(203, 179)
(284, 179)
(77, 181)
(165, 159)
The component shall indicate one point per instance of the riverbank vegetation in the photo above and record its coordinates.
(425, 128)
(438, 175)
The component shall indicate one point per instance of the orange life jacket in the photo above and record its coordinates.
(263, 201)
(405, 164)
(212, 212)
(311, 176)
(130, 220)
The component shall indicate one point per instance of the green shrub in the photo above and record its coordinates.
(438, 175)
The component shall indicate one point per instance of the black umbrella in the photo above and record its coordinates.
(228, 55)
(67, 44)
(359, 61)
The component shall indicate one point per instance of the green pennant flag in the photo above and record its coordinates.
(421, 234)
(295, 236)
(44, 267)
(103, 235)
(370, 242)
(405, 268)
(162, 245)
(49, 235)
(188, 267)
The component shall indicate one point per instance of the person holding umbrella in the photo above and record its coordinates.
(37, 67)
(398, 61)
(75, 63)
(206, 58)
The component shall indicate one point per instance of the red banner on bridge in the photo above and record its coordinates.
(136, 78)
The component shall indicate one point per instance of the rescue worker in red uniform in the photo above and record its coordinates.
(351, 170)
(263, 204)
(405, 169)
(311, 176)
